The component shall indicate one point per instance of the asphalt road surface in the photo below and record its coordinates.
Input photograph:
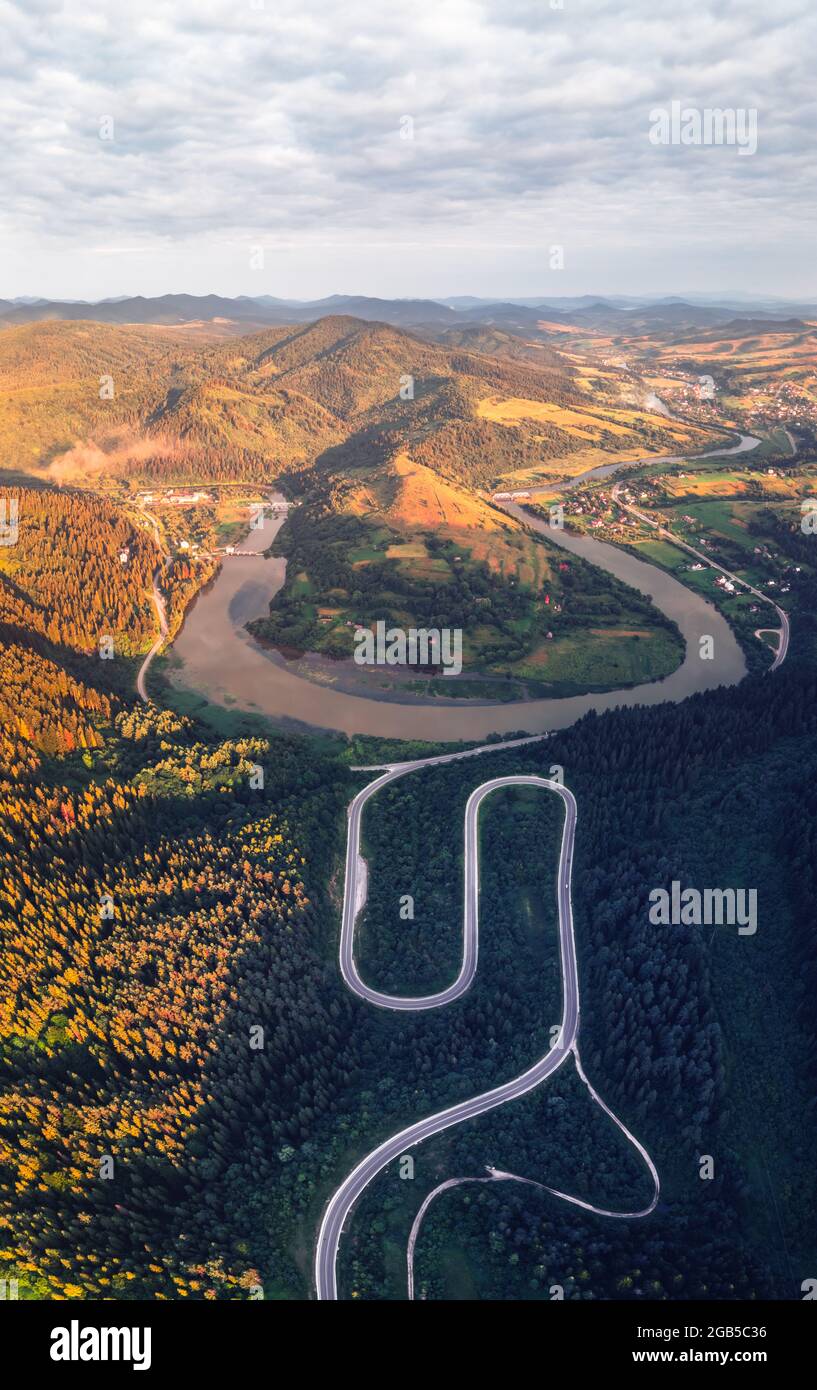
(344, 1198)
(354, 895)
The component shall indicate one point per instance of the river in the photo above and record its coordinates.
(745, 443)
(216, 658)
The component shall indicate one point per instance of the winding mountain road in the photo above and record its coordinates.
(565, 1045)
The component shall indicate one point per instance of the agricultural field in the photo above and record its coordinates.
(588, 435)
(709, 481)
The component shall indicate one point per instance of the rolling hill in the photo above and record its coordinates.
(222, 314)
(84, 397)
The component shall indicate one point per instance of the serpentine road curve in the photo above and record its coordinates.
(344, 1198)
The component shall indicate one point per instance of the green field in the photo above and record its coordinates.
(586, 661)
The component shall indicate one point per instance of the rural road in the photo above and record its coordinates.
(344, 1198)
(497, 1175)
(746, 444)
(784, 632)
(161, 613)
(158, 603)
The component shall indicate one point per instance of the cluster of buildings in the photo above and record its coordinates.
(781, 403)
(694, 401)
(170, 497)
(594, 508)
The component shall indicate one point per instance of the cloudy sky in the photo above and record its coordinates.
(260, 146)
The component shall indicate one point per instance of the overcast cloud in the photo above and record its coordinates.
(239, 125)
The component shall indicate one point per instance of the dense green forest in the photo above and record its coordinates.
(687, 1032)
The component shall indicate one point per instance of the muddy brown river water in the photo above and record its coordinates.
(216, 658)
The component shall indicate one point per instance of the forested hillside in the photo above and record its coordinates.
(405, 435)
(75, 609)
(82, 401)
(165, 1024)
